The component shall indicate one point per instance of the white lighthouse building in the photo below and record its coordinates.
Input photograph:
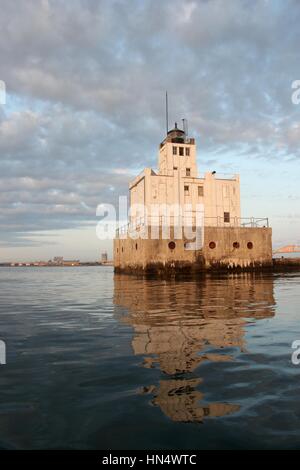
(177, 182)
(175, 194)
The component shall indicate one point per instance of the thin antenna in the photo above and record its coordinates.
(167, 113)
(185, 126)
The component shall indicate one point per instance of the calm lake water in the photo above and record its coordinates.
(97, 361)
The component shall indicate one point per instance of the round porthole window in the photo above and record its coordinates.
(249, 245)
(172, 245)
(236, 245)
(212, 245)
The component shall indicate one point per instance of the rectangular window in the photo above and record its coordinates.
(181, 149)
(174, 150)
(187, 151)
(226, 217)
(186, 190)
(175, 168)
(187, 172)
(225, 191)
(200, 191)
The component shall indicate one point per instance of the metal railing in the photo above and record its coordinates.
(236, 222)
(225, 176)
(140, 223)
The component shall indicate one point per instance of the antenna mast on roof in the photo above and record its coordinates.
(185, 126)
(167, 113)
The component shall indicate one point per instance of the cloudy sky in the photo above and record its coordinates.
(84, 111)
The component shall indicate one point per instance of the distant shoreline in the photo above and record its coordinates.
(32, 265)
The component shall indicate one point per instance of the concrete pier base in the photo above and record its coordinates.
(223, 248)
(286, 264)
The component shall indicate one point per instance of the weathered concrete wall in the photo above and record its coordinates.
(237, 246)
(224, 247)
(155, 255)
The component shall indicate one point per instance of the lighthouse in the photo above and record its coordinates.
(175, 194)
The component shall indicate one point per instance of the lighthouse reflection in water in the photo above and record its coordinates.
(179, 326)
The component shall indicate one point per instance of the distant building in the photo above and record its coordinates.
(71, 262)
(60, 261)
(104, 257)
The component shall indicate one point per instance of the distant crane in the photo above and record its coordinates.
(288, 249)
